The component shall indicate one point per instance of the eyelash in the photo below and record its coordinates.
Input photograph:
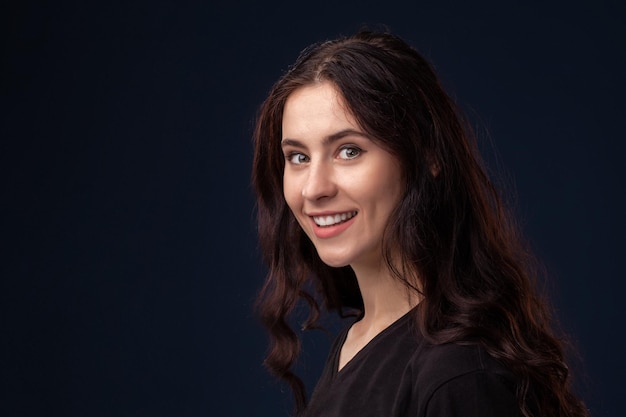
(358, 151)
(290, 157)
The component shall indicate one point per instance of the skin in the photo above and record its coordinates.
(333, 169)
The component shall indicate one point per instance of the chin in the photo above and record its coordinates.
(334, 261)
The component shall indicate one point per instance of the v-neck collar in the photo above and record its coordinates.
(368, 346)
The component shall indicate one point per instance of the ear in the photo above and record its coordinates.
(435, 168)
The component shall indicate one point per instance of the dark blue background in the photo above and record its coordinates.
(128, 260)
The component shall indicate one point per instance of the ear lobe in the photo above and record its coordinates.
(434, 169)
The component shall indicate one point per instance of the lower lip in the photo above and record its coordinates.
(331, 231)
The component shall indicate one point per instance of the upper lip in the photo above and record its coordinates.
(329, 213)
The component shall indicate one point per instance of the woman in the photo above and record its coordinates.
(370, 187)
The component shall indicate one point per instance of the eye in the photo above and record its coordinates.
(349, 152)
(297, 158)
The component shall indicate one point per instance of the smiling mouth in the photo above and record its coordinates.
(326, 221)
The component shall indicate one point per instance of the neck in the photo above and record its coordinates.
(385, 298)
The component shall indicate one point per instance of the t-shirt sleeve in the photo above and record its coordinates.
(476, 394)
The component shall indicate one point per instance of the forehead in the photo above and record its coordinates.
(316, 108)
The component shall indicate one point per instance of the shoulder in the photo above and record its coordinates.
(462, 380)
(450, 360)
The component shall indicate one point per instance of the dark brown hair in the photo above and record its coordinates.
(475, 274)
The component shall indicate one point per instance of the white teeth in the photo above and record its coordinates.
(332, 220)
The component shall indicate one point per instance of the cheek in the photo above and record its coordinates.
(380, 187)
(291, 194)
(384, 193)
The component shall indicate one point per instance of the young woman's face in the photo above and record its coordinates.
(339, 184)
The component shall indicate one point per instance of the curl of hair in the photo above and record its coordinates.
(458, 245)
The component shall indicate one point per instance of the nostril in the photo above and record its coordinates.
(319, 181)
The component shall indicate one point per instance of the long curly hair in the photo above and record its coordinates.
(459, 247)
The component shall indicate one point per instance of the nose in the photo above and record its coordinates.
(320, 182)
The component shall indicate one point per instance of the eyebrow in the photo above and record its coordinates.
(327, 140)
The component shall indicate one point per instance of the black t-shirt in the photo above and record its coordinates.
(399, 374)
